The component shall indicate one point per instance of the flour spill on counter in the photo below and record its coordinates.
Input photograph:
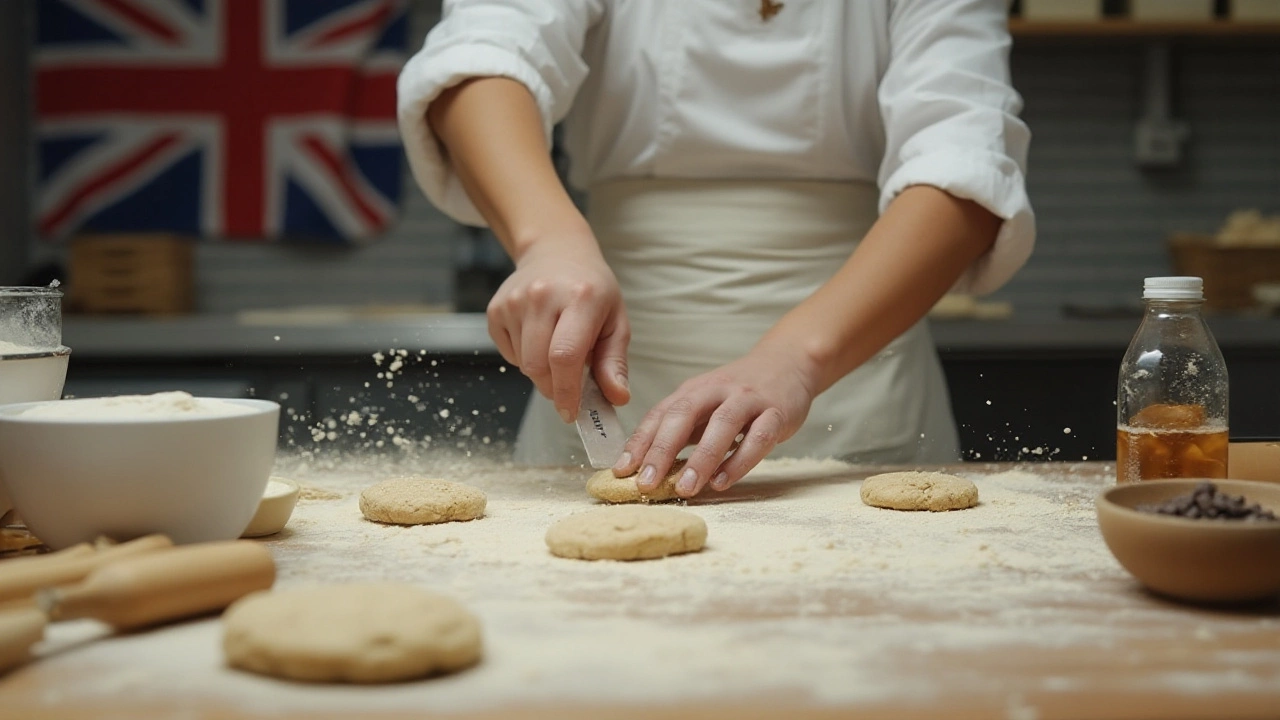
(865, 605)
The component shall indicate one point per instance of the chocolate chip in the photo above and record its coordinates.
(1205, 501)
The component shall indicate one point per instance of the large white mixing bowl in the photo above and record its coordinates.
(194, 479)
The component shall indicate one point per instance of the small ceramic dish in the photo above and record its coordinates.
(1208, 561)
(274, 509)
(29, 378)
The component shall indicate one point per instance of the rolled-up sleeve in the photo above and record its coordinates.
(951, 121)
(538, 44)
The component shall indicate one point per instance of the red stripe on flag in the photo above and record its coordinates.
(67, 92)
(243, 92)
(371, 20)
(245, 114)
(373, 97)
(341, 171)
(51, 220)
(143, 20)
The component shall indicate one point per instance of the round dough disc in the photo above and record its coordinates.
(350, 633)
(627, 532)
(611, 489)
(421, 501)
(919, 491)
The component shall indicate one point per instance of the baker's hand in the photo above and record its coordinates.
(764, 397)
(559, 309)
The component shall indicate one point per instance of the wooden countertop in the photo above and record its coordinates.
(805, 604)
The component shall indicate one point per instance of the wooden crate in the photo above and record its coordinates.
(1255, 10)
(1171, 10)
(143, 274)
(1229, 272)
(1062, 10)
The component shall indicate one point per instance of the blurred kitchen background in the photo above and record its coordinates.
(1151, 121)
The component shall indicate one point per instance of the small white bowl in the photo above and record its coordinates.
(33, 377)
(194, 478)
(28, 378)
(274, 509)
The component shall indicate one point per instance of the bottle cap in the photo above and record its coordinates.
(1173, 288)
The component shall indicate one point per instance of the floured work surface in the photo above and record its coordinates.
(804, 602)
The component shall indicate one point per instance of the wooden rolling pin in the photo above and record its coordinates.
(19, 630)
(22, 577)
(142, 591)
(77, 550)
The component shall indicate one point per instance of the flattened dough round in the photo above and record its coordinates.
(604, 486)
(919, 491)
(627, 532)
(421, 501)
(350, 633)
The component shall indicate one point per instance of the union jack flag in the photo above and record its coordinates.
(240, 119)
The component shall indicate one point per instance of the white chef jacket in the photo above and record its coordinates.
(895, 92)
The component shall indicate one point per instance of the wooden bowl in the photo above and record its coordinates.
(1254, 460)
(1209, 561)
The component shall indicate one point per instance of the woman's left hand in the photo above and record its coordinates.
(763, 397)
(885, 287)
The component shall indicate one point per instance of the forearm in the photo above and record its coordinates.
(492, 133)
(913, 254)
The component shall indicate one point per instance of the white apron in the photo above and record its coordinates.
(706, 267)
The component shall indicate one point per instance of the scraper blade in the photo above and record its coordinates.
(598, 425)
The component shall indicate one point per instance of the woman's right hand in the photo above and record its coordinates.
(558, 311)
(561, 308)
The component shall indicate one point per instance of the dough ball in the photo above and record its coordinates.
(919, 491)
(420, 501)
(627, 532)
(350, 633)
(605, 486)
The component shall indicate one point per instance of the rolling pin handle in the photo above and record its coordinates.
(161, 587)
(19, 630)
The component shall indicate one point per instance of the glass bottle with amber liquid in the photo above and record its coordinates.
(1171, 404)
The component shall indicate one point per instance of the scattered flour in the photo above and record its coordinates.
(159, 406)
(802, 592)
(365, 426)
